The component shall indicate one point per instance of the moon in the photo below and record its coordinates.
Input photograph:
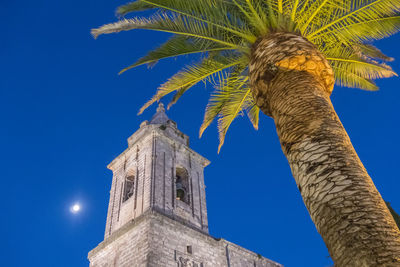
(75, 208)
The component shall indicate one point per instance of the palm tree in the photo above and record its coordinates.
(283, 57)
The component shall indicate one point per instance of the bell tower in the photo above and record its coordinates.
(158, 171)
(157, 215)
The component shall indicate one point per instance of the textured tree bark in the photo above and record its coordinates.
(291, 82)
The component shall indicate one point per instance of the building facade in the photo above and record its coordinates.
(157, 213)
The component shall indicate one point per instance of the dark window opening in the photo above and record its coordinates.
(128, 188)
(182, 185)
(180, 194)
(189, 249)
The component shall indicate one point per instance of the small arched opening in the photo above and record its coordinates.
(129, 186)
(182, 185)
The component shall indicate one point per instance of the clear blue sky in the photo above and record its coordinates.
(65, 114)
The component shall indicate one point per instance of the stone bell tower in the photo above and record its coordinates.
(157, 171)
(157, 213)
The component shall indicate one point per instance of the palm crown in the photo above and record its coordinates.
(225, 30)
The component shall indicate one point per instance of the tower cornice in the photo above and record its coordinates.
(148, 130)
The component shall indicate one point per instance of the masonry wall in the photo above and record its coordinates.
(153, 154)
(239, 256)
(169, 241)
(169, 156)
(155, 240)
(137, 161)
(127, 247)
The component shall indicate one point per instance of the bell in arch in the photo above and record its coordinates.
(180, 191)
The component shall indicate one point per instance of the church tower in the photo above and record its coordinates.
(157, 213)
(157, 171)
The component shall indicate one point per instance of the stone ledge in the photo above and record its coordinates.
(220, 241)
(153, 130)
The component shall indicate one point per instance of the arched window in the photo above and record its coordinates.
(128, 188)
(182, 185)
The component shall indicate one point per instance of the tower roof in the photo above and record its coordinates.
(160, 117)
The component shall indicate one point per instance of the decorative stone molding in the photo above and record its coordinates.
(186, 260)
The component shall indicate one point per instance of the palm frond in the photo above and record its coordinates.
(311, 15)
(294, 9)
(285, 7)
(178, 46)
(221, 95)
(359, 13)
(231, 98)
(256, 14)
(215, 104)
(352, 60)
(348, 79)
(237, 102)
(253, 113)
(133, 7)
(370, 51)
(193, 74)
(323, 12)
(361, 68)
(373, 29)
(177, 95)
(173, 24)
(203, 11)
(223, 32)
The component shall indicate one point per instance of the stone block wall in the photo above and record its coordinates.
(152, 157)
(157, 240)
(169, 156)
(136, 161)
(127, 247)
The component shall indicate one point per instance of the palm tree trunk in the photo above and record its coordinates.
(292, 82)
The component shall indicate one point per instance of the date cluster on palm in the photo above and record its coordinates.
(283, 58)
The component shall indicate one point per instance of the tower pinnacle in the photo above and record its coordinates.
(160, 117)
(160, 107)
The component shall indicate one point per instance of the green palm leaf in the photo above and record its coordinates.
(353, 61)
(366, 12)
(214, 107)
(373, 29)
(219, 98)
(370, 51)
(348, 79)
(133, 7)
(253, 112)
(192, 74)
(203, 11)
(176, 24)
(361, 68)
(237, 102)
(178, 46)
(227, 102)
